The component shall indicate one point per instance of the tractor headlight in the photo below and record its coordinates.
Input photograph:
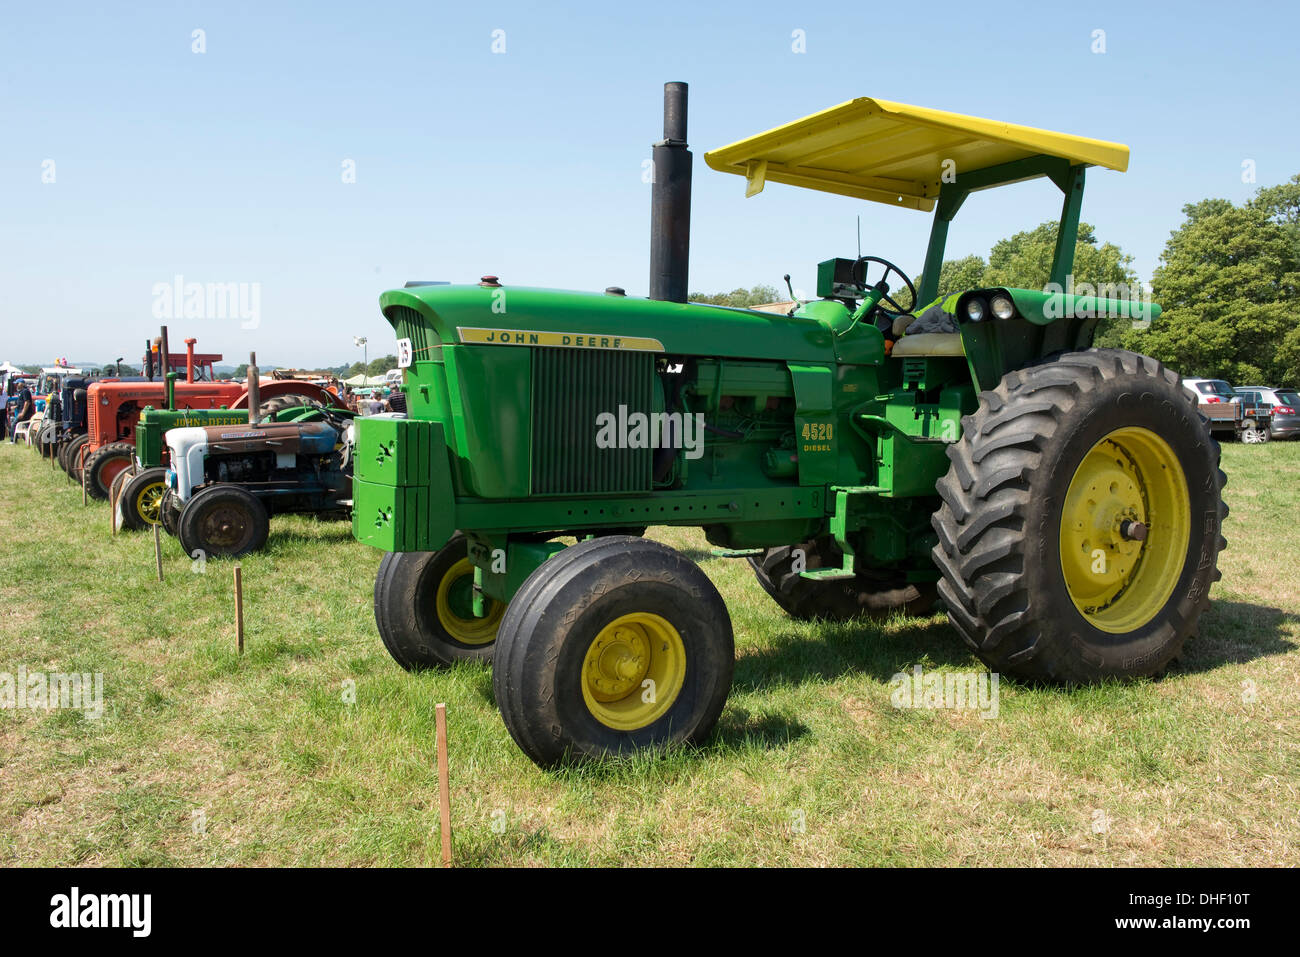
(975, 310)
(1002, 307)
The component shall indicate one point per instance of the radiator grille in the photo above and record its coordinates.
(410, 325)
(571, 387)
(92, 416)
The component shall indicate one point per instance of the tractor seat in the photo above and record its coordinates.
(929, 344)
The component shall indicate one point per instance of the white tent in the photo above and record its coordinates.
(9, 367)
(362, 380)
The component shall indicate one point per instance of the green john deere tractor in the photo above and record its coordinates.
(1064, 502)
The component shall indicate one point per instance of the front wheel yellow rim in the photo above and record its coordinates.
(454, 604)
(1125, 528)
(147, 501)
(633, 671)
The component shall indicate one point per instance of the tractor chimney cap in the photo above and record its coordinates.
(489, 281)
(615, 291)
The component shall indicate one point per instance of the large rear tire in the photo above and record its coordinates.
(105, 464)
(1080, 524)
(424, 610)
(873, 594)
(222, 521)
(613, 646)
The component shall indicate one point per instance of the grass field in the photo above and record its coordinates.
(315, 748)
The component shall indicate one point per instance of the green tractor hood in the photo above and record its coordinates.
(484, 315)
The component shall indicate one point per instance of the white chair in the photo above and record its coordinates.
(29, 430)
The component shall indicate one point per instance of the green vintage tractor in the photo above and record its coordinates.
(1063, 502)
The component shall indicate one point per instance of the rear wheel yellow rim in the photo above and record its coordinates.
(454, 604)
(1129, 485)
(633, 671)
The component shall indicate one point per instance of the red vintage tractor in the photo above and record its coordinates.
(113, 409)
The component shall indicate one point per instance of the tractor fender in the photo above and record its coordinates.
(270, 388)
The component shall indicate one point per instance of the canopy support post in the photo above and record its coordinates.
(950, 200)
(1067, 234)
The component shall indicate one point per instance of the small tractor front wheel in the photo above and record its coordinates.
(115, 492)
(222, 521)
(105, 464)
(169, 512)
(1079, 530)
(615, 645)
(141, 498)
(71, 454)
(424, 608)
(876, 595)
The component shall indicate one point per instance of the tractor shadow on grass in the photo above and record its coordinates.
(1235, 632)
(837, 650)
(740, 729)
(1232, 632)
(320, 534)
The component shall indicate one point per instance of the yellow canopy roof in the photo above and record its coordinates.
(894, 153)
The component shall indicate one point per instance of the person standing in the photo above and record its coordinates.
(26, 408)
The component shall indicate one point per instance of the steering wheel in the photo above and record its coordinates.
(889, 267)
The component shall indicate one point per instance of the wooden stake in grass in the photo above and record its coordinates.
(239, 609)
(157, 552)
(81, 464)
(444, 789)
(112, 510)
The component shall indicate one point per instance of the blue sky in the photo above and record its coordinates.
(226, 166)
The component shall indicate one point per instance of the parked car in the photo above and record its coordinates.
(1209, 391)
(1285, 406)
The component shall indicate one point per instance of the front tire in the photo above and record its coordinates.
(613, 646)
(222, 521)
(115, 493)
(424, 611)
(169, 512)
(71, 455)
(1079, 530)
(141, 498)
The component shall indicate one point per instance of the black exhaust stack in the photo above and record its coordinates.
(670, 202)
